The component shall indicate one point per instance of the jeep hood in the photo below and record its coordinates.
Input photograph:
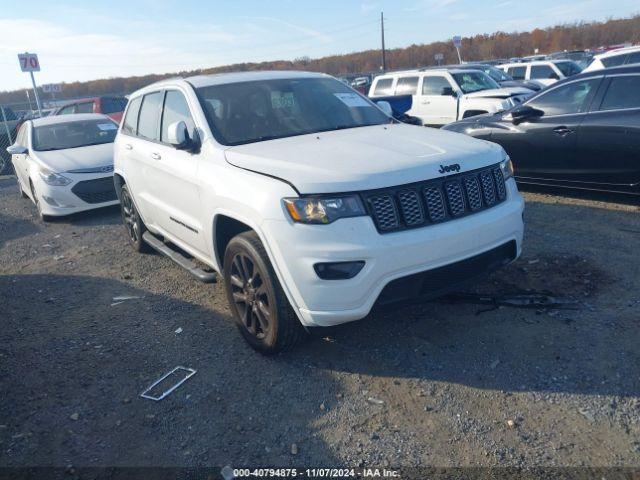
(363, 158)
(499, 93)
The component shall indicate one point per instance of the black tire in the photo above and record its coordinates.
(43, 217)
(6, 167)
(259, 305)
(134, 226)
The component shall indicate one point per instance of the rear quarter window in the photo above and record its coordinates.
(130, 124)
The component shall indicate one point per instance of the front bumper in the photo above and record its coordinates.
(86, 192)
(295, 248)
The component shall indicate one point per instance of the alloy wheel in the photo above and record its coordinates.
(250, 295)
(129, 217)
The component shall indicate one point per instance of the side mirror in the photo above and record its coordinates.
(178, 136)
(17, 149)
(385, 107)
(448, 92)
(522, 113)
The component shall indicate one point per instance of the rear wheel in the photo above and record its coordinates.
(132, 222)
(258, 303)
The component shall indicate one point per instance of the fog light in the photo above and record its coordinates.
(338, 270)
(50, 201)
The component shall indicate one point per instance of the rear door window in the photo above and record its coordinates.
(407, 86)
(623, 92)
(614, 61)
(383, 87)
(67, 110)
(518, 73)
(130, 124)
(633, 58)
(149, 119)
(542, 72)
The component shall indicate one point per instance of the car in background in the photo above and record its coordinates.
(65, 164)
(615, 58)
(361, 84)
(547, 72)
(503, 79)
(582, 132)
(442, 96)
(581, 57)
(112, 106)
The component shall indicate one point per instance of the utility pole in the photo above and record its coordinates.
(384, 60)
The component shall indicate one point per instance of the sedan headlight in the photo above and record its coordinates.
(54, 179)
(507, 168)
(323, 210)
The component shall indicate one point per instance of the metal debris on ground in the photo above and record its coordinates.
(181, 374)
(525, 299)
(123, 298)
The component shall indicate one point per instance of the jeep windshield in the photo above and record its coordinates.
(474, 81)
(255, 111)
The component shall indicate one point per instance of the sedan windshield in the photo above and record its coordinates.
(475, 81)
(59, 136)
(255, 111)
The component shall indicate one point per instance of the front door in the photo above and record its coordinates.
(174, 178)
(437, 104)
(545, 147)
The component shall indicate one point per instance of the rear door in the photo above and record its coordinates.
(174, 178)
(609, 137)
(141, 133)
(409, 86)
(436, 104)
(545, 147)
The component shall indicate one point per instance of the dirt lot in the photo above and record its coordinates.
(448, 383)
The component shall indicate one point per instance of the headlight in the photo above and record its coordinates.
(323, 210)
(507, 168)
(54, 179)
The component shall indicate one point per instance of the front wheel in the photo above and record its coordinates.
(36, 200)
(258, 303)
(132, 222)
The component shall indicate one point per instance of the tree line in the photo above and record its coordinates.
(577, 36)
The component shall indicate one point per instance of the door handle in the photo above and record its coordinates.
(156, 156)
(425, 102)
(562, 131)
(128, 146)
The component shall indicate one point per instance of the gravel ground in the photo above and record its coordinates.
(449, 383)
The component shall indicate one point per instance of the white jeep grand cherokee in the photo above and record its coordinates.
(310, 202)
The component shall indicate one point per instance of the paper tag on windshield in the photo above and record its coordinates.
(107, 126)
(352, 100)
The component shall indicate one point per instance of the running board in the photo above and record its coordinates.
(186, 263)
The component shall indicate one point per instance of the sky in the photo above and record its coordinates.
(83, 40)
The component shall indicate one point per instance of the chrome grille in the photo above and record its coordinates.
(433, 201)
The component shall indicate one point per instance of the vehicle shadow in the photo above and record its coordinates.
(579, 256)
(100, 216)
(76, 358)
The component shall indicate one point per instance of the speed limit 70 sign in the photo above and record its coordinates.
(29, 62)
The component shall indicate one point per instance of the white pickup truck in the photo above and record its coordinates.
(442, 96)
(310, 202)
